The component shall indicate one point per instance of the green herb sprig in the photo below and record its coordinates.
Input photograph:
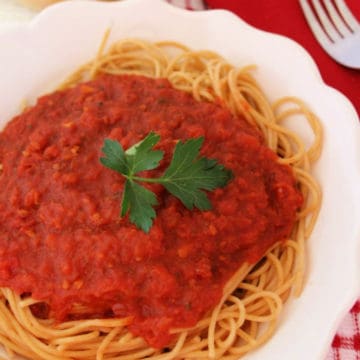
(187, 176)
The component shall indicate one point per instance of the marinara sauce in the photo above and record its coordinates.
(62, 239)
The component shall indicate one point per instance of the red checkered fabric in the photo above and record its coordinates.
(189, 4)
(346, 343)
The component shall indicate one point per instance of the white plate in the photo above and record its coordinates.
(34, 58)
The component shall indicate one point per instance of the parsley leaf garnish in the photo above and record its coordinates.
(187, 176)
(140, 202)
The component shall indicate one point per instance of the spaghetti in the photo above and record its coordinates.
(247, 314)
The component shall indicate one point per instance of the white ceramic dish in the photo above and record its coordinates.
(36, 57)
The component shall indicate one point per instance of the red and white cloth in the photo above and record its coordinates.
(346, 343)
(285, 17)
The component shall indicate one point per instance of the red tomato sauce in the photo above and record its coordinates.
(61, 237)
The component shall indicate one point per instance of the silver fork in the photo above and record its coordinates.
(336, 30)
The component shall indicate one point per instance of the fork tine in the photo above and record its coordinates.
(347, 15)
(314, 24)
(326, 23)
(336, 19)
